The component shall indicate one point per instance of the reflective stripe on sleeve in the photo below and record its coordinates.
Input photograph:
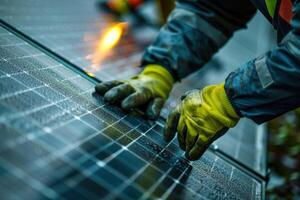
(271, 6)
(263, 72)
(292, 42)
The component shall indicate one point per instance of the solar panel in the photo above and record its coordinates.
(60, 140)
(73, 32)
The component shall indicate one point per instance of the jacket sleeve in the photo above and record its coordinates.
(269, 86)
(195, 30)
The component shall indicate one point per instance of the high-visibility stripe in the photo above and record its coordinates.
(292, 43)
(285, 10)
(263, 72)
(271, 6)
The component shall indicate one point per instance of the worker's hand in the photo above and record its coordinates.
(151, 88)
(200, 118)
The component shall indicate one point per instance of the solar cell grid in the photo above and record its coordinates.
(62, 148)
(73, 34)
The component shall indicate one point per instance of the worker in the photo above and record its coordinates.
(260, 89)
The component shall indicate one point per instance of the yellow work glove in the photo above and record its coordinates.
(151, 87)
(200, 118)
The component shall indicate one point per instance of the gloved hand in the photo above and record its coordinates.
(152, 87)
(200, 118)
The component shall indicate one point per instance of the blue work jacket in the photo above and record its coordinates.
(262, 88)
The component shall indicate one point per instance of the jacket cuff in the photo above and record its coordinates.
(227, 103)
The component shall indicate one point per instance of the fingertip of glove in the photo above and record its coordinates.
(190, 157)
(100, 88)
(154, 108)
(166, 139)
(182, 146)
(166, 136)
(109, 96)
(126, 105)
(187, 156)
(153, 114)
(195, 155)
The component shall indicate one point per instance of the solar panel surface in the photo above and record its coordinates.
(59, 140)
(73, 33)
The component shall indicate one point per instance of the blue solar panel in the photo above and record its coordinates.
(60, 140)
(73, 33)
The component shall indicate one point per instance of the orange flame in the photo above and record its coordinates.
(109, 39)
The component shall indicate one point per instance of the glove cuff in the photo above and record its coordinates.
(162, 75)
(159, 71)
(226, 102)
(216, 97)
